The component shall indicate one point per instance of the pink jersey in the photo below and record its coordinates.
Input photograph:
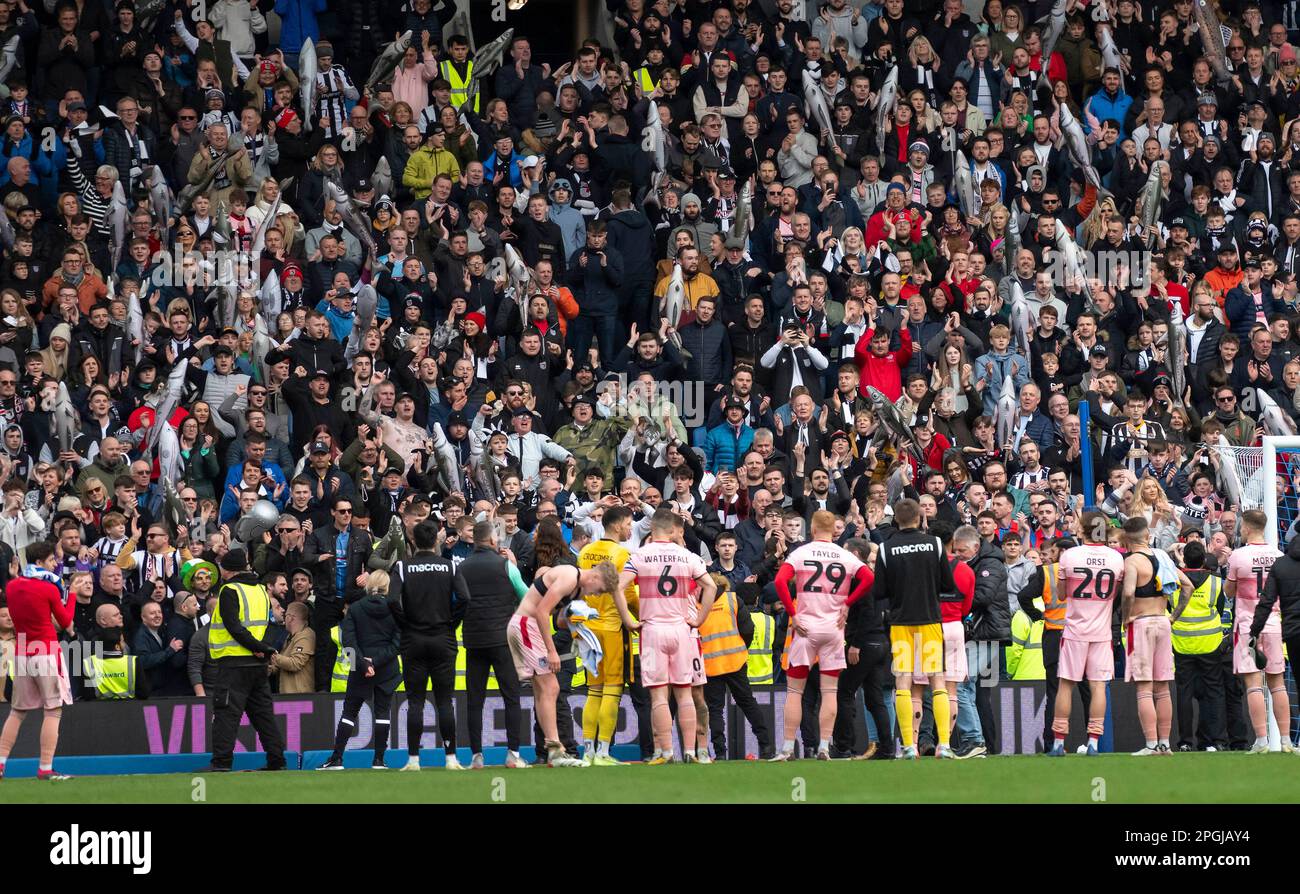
(1248, 567)
(823, 574)
(1092, 574)
(665, 577)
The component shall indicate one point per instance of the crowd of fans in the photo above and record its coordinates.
(778, 260)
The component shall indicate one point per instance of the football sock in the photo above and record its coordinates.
(903, 707)
(591, 713)
(608, 717)
(942, 712)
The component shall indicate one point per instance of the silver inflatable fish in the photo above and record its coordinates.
(307, 71)
(1005, 413)
(388, 61)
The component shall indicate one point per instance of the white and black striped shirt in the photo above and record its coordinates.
(333, 89)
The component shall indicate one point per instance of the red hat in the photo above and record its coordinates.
(269, 65)
(476, 317)
(282, 120)
(290, 270)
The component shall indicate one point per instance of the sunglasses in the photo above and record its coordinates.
(343, 511)
(286, 530)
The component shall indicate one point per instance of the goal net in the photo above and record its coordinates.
(1267, 478)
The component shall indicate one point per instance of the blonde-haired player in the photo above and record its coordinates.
(605, 683)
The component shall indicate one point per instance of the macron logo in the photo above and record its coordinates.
(90, 848)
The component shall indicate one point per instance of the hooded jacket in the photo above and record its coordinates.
(370, 631)
(573, 226)
(991, 610)
(631, 234)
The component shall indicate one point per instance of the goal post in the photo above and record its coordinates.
(1273, 444)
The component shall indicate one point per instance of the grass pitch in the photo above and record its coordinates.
(1224, 778)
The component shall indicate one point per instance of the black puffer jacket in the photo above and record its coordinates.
(370, 631)
(991, 611)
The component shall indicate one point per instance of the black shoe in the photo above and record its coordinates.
(927, 750)
(767, 754)
(213, 768)
(1185, 747)
(334, 763)
(273, 768)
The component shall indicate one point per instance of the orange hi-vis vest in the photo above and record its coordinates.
(724, 650)
(1053, 598)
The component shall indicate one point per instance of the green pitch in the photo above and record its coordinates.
(1229, 778)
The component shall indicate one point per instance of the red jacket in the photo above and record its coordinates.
(31, 604)
(965, 578)
(909, 226)
(883, 373)
(933, 455)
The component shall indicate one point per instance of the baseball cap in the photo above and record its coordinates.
(320, 374)
(1207, 99)
(1250, 262)
(1178, 222)
(585, 399)
(522, 411)
(839, 436)
(735, 242)
(76, 106)
(363, 185)
(893, 185)
(319, 447)
(456, 417)
(733, 403)
(920, 420)
(530, 162)
(235, 560)
(433, 127)
(1099, 351)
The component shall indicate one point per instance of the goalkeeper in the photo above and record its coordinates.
(605, 684)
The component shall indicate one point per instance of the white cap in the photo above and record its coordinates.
(530, 161)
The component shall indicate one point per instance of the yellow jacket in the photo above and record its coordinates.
(424, 165)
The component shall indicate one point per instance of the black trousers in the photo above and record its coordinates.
(478, 661)
(715, 696)
(1240, 732)
(563, 713)
(426, 658)
(870, 674)
(378, 690)
(641, 705)
(1198, 680)
(325, 616)
(244, 689)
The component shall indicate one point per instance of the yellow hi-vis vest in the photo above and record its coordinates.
(339, 675)
(254, 614)
(644, 78)
(1199, 631)
(760, 648)
(114, 678)
(724, 650)
(459, 85)
(1025, 654)
(1053, 598)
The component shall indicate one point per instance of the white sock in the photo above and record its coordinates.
(659, 752)
(666, 755)
(1164, 742)
(1151, 743)
(824, 745)
(602, 749)
(1261, 740)
(46, 767)
(589, 747)
(1092, 740)
(688, 753)
(788, 746)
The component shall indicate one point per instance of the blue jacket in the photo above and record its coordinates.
(1009, 364)
(298, 22)
(1104, 107)
(513, 177)
(1041, 431)
(723, 450)
(235, 474)
(340, 325)
(45, 165)
(1239, 309)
